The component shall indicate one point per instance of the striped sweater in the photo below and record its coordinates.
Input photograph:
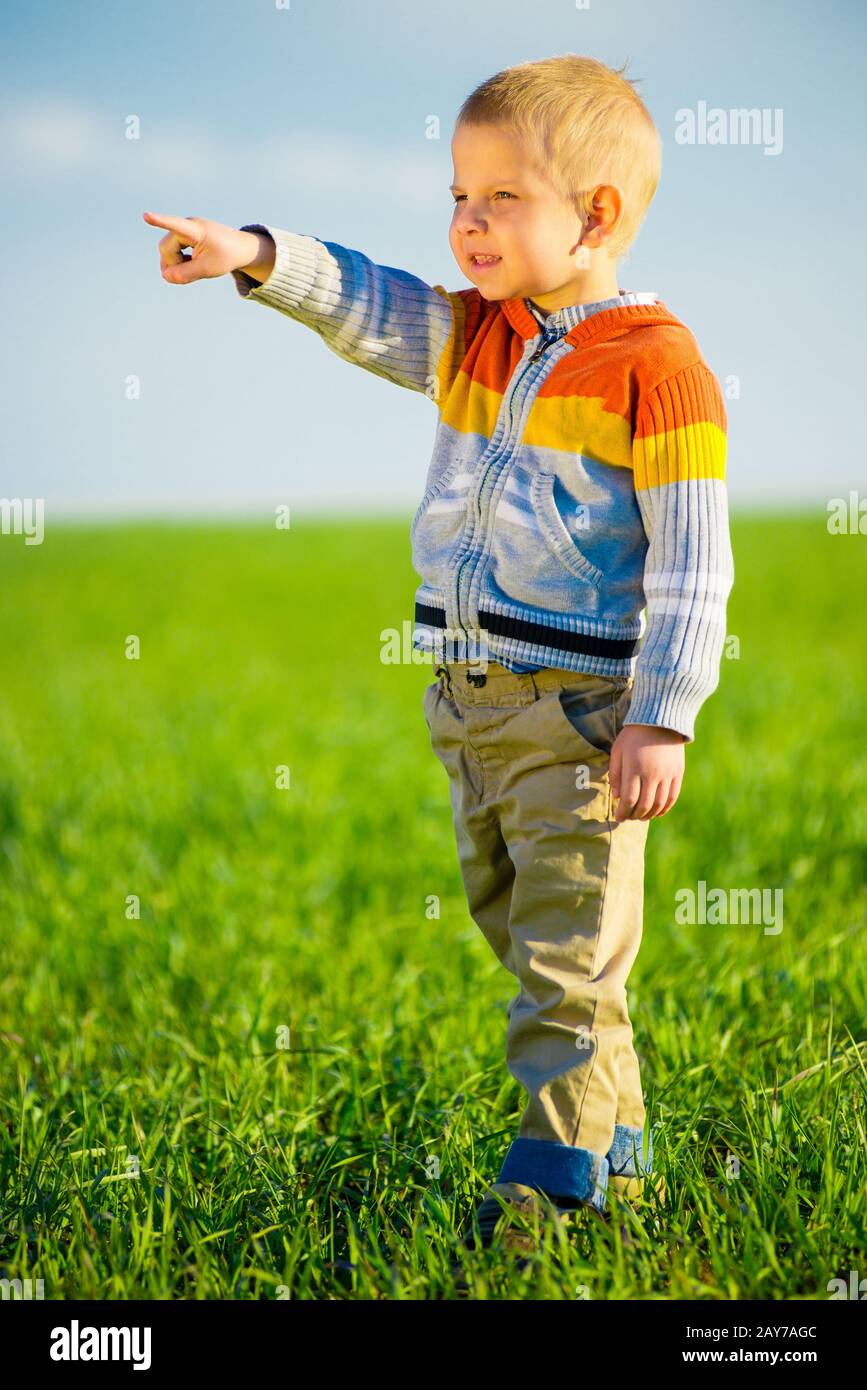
(575, 511)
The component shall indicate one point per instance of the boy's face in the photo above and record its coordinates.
(503, 206)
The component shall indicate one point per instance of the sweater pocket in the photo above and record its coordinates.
(439, 521)
(558, 536)
(534, 560)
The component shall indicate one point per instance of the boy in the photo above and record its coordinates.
(578, 474)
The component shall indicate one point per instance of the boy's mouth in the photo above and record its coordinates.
(480, 262)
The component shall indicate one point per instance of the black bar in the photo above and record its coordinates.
(207, 1337)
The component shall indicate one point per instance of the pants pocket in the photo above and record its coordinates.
(589, 712)
(622, 701)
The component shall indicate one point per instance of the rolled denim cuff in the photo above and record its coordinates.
(568, 1176)
(625, 1158)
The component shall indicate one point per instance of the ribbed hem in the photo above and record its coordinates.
(625, 1157)
(293, 275)
(568, 1176)
(598, 648)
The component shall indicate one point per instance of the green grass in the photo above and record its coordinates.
(154, 1041)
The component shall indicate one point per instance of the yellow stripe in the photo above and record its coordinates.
(580, 425)
(689, 451)
(453, 353)
(471, 408)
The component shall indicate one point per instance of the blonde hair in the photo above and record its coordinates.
(585, 124)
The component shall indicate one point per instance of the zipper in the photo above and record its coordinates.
(534, 357)
(545, 343)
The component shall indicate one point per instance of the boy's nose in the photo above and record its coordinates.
(466, 218)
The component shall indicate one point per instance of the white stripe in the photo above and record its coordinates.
(459, 483)
(655, 580)
(506, 512)
(520, 489)
(666, 607)
(447, 504)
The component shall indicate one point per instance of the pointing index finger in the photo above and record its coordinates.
(182, 226)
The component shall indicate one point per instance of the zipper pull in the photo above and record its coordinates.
(545, 343)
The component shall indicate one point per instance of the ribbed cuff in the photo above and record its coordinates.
(568, 1176)
(669, 701)
(625, 1157)
(293, 275)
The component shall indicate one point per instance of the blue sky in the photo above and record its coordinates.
(312, 117)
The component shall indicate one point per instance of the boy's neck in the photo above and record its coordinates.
(588, 288)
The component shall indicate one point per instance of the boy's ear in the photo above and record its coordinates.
(606, 210)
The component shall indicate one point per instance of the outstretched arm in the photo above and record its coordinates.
(385, 320)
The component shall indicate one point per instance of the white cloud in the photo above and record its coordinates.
(56, 139)
(50, 134)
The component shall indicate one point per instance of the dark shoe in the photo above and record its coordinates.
(512, 1217)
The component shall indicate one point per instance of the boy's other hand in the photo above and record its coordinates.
(646, 770)
(215, 249)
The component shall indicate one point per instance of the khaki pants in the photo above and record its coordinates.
(556, 886)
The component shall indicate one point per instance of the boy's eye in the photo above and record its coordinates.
(459, 197)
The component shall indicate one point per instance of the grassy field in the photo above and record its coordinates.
(158, 1139)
